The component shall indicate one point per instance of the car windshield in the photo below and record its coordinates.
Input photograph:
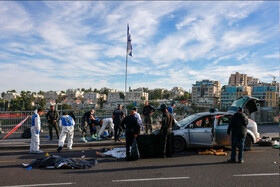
(187, 120)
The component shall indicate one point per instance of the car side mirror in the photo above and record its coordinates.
(189, 126)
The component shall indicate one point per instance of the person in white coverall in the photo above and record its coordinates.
(66, 124)
(106, 122)
(35, 132)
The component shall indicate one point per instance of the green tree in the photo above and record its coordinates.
(66, 107)
(2, 94)
(121, 95)
(12, 91)
(62, 91)
(41, 92)
(95, 90)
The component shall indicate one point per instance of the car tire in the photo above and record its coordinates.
(248, 143)
(179, 144)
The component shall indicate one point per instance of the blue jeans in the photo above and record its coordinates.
(237, 141)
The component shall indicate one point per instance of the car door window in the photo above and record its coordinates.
(204, 122)
(224, 120)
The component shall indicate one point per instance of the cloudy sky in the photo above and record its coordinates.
(59, 45)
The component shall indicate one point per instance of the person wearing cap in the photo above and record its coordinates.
(52, 116)
(137, 115)
(148, 111)
(106, 122)
(66, 123)
(167, 123)
(238, 130)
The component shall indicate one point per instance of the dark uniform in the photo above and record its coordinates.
(86, 121)
(117, 120)
(238, 129)
(148, 120)
(165, 134)
(51, 116)
(132, 127)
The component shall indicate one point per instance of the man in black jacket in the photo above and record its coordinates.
(167, 123)
(148, 111)
(132, 129)
(118, 116)
(238, 129)
(52, 116)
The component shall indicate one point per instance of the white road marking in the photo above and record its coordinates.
(150, 179)
(50, 184)
(255, 175)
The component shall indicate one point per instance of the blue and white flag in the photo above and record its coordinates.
(129, 45)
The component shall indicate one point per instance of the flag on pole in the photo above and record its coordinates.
(129, 45)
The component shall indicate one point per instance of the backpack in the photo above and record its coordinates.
(26, 133)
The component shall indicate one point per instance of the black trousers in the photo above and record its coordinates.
(166, 148)
(118, 130)
(129, 140)
(55, 126)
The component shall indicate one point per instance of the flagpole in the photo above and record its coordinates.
(126, 73)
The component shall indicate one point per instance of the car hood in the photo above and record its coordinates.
(246, 102)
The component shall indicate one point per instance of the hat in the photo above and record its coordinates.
(162, 107)
(239, 108)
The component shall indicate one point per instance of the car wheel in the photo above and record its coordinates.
(179, 144)
(248, 143)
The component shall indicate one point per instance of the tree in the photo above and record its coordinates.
(41, 92)
(121, 95)
(66, 107)
(156, 94)
(2, 94)
(95, 90)
(12, 91)
(62, 91)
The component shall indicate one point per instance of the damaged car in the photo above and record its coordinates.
(208, 129)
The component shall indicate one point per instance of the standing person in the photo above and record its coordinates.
(118, 116)
(86, 122)
(167, 123)
(132, 129)
(106, 122)
(52, 116)
(238, 129)
(35, 131)
(148, 111)
(137, 115)
(171, 109)
(66, 123)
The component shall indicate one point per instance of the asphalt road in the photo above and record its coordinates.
(261, 168)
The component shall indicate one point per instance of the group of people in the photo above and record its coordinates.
(132, 125)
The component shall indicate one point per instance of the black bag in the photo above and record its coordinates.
(26, 133)
(134, 153)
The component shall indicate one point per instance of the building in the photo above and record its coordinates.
(136, 95)
(92, 96)
(38, 96)
(51, 95)
(10, 95)
(206, 93)
(113, 97)
(176, 92)
(239, 79)
(50, 103)
(268, 92)
(231, 93)
(74, 93)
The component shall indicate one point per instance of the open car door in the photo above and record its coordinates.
(201, 132)
(220, 129)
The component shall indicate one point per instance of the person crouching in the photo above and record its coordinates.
(132, 129)
(66, 123)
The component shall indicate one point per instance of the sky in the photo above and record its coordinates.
(48, 45)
